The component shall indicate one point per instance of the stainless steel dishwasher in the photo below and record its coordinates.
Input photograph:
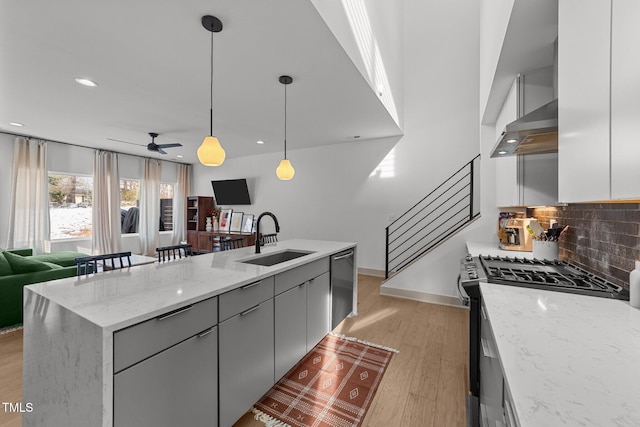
(342, 271)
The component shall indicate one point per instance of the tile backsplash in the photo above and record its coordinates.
(603, 238)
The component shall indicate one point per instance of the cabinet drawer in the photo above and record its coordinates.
(288, 279)
(136, 343)
(245, 297)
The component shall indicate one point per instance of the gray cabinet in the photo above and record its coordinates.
(290, 328)
(303, 312)
(166, 369)
(246, 360)
(318, 309)
(177, 386)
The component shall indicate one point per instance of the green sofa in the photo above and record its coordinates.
(19, 268)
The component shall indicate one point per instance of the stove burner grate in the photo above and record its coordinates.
(545, 274)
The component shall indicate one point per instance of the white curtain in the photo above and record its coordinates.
(180, 193)
(150, 207)
(106, 203)
(29, 213)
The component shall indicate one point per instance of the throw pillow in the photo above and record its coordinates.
(20, 264)
(5, 267)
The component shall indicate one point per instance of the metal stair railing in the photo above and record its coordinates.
(436, 217)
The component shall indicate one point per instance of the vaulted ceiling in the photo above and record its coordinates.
(151, 60)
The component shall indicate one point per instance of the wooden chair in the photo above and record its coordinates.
(89, 264)
(268, 238)
(232, 243)
(167, 253)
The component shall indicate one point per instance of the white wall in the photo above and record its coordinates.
(494, 20)
(366, 29)
(332, 196)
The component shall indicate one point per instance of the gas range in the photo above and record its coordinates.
(530, 273)
(539, 274)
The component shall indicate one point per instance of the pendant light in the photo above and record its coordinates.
(285, 170)
(210, 152)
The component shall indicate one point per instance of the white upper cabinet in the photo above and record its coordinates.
(584, 30)
(599, 100)
(625, 99)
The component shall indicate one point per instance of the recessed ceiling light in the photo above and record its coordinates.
(179, 156)
(511, 141)
(86, 82)
(16, 124)
(502, 152)
(260, 141)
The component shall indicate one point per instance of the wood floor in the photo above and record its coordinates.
(425, 384)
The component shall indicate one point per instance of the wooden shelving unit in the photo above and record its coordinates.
(196, 216)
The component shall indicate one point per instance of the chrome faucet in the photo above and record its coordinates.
(275, 220)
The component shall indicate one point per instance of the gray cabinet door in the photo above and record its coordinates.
(246, 360)
(290, 328)
(318, 309)
(175, 387)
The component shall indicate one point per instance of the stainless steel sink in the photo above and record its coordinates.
(275, 258)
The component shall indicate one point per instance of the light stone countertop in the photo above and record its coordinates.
(492, 249)
(116, 299)
(568, 360)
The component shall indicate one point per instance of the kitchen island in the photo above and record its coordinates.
(566, 359)
(96, 348)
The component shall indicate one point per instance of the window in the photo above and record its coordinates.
(70, 205)
(130, 201)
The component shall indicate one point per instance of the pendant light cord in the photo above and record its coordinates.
(211, 91)
(285, 121)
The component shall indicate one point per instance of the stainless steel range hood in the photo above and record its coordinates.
(533, 133)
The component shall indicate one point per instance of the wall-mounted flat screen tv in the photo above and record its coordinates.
(231, 192)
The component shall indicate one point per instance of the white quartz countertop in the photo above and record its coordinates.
(492, 249)
(568, 360)
(120, 298)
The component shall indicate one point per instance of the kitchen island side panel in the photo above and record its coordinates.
(67, 371)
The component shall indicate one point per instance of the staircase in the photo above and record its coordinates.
(439, 215)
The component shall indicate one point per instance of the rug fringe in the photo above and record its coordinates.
(383, 347)
(267, 419)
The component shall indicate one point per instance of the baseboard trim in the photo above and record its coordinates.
(371, 272)
(421, 296)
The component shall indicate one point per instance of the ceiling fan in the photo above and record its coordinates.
(152, 146)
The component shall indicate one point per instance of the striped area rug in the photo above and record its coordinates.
(332, 386)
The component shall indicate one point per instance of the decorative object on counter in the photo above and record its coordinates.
(247, 223)
(225, 219)
(333, 385)
(634, 285)
(285, 170)
(210, 152)
(236, 222)
(545, 249)
(212, 219)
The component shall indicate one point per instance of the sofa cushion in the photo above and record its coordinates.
(63, 258)
(21, 264)
(5, 267)
(52, 265)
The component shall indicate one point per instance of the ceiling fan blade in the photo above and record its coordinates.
(169, 145)
(161, 151)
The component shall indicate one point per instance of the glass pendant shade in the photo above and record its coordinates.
(210, 152)
(285, 170)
